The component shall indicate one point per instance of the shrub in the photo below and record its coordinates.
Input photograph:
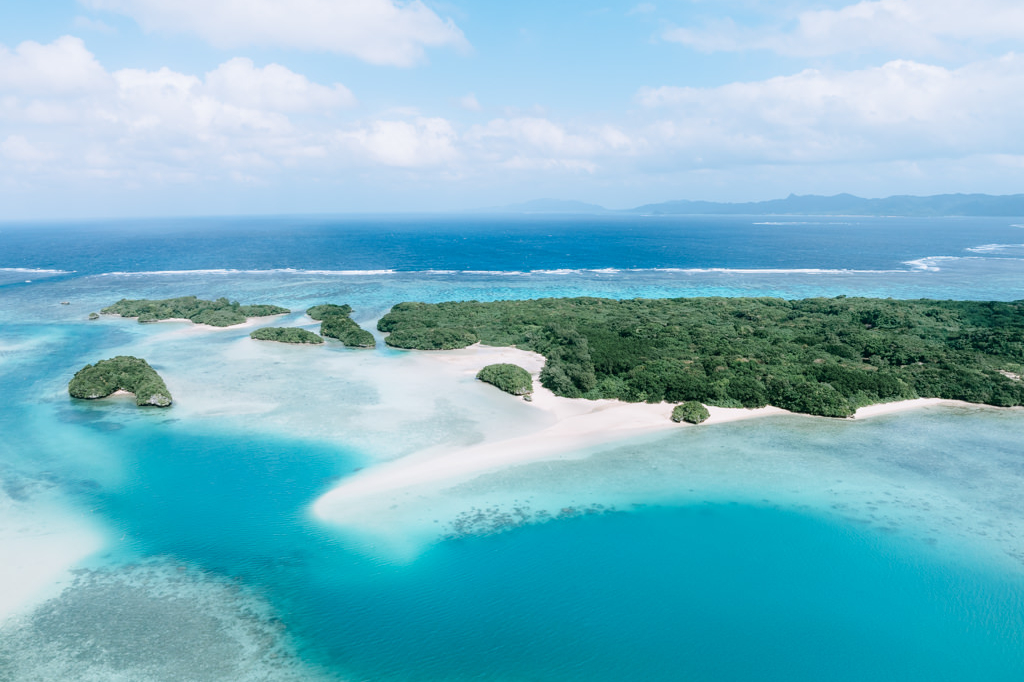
(509, 378)
(691, 412)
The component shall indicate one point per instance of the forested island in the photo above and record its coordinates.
(122, 373)
(335, 322)
(286, 335)
(817, 356)
(219, 313)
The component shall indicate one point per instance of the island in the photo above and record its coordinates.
(219, 313)
(122, 373)
(508, 377)
(820, 356)
(286, 335)
(336, 324)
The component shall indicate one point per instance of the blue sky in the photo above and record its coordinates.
(153, 107)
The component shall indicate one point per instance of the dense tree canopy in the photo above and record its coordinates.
(336, 323)
(691, 412)
(818, 356)
(122, 373)
(508, 377)
(319, 312)
(219, 313)
(285, 335)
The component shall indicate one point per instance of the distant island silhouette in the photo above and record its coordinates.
(975, 205)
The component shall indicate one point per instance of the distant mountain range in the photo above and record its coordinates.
(838, 205)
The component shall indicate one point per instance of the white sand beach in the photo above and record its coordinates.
(572, 426)
(904, 405)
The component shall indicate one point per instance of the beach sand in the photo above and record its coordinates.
(196, 328)
(572, 426)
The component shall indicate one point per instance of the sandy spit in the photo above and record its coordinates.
(573, 426)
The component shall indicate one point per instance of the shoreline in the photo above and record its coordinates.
(573, 426)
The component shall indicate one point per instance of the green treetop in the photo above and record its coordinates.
(219, 313)
(817, 356)
(122, 373)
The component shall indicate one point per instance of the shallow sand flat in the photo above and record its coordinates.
(570, 426)
(376, 404)
(385, 494)
(41, 545)
(194, 328)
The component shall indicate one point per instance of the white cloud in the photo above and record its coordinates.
(545, 137)
(906, 27)
(162, 124)
(248, 123)
(61, 67)
(902, 109)
(166, 101)
(376, 31)
(239, 82)
(18, 149)
(404, 144)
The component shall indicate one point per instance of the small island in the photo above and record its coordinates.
(508, 377)
(336, 324)
(319, 312)
(286, 335)
(820, 356)
(219, 313)
(122, 373)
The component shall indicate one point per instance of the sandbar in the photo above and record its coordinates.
(570, 428)
(42, 545)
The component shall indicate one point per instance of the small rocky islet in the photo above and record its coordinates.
(122, 373)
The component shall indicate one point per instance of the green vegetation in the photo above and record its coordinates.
(817, 356)
(219, 313)
(691, 411)
(431, 338)
(94, 316)
(123, 373)
(509, 378)
(319, 312)
(285, 335)
(336, 323)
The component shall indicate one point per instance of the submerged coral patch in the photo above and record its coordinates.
(155, 622)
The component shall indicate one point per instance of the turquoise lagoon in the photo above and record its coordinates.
(785, 548)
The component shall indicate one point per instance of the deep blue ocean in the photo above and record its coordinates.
(788, 549)
(496, 243)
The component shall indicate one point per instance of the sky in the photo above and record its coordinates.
(116, 108)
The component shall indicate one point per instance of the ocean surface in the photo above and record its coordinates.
(786, 548)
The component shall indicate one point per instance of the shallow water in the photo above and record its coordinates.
(785, 548)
